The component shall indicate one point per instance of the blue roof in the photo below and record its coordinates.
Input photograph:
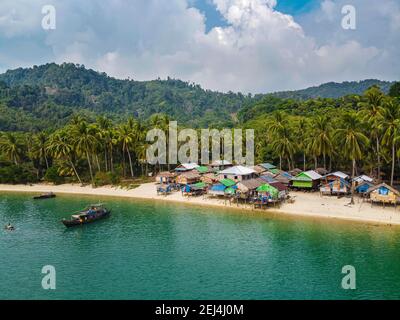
(268, 179)
(218, 187)
(268, 166)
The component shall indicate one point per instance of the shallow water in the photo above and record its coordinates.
(159, 250)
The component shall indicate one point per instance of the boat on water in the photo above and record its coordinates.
(47, 195)
(90, 214)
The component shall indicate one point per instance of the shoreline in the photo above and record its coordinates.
(310, 205)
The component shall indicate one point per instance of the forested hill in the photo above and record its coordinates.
(64, 89)
(334, 90)
(46, 96)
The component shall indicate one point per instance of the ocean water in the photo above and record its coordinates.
(157, 250)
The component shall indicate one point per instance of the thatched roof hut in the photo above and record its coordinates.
(165, 177)
(188, 177)
(245, 186)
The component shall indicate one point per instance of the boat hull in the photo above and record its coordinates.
(49, 196)
(80, 222)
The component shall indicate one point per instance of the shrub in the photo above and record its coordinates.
(14, 174)
(105, 178)
(53, 176)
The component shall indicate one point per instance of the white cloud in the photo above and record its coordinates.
(260, 50)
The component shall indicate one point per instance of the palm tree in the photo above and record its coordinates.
(61, 146)
(11, 146)
(302, 128)
(39, 147)
(371, 113)
(391, 128)
(126, 138)
(322, 140)
(283, 146)
(352, 140)
(85, 141)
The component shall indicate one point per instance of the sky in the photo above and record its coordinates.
(251, 46)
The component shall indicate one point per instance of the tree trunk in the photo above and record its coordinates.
(47, 163)
(304, 162)
(90, 166)
(352, 182)
(324, 160)
(130, 160)
(111, 159)
(76, 172)
(393, 160)
(106, 158)
(280, 163)
(379, 158)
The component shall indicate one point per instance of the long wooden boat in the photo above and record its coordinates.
(90, 214)
(45, 196)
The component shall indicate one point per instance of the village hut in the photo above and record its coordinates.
(209, 178)
(202, 169)
(217, 190)
(267, 166)
(363, 178)
(383, 193)
(321, 171)
(295, 172)
(363, 187)
(249, 186)
(259, 169)
(307, 180)
(237, 173)
(335, 183)
(165, 177)
(272, 192)
(283, 190)
(186, 167)
(284, 178)
(189, 177)
(268, 178)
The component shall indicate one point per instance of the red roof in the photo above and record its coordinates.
(278, 185)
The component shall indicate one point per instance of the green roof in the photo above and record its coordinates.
(268, 188)
(227, 182)
(230, 190)
(274, 171)
(202, 169)
(200, 185)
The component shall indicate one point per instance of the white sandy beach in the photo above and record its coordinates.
(306, 204)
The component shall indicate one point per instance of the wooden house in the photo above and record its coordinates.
(249, 186)
(363, 187)
(189, 177)
(307, 180)
(282, 189)
(186, 167)
(383, 193)
(259, 169)
(165, 177)
(237, 173)
(284, 178)
(209, 178)
(335, 183)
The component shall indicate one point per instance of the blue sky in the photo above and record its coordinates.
(252, 46)
(292, 7)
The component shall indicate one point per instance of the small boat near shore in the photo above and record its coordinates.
(90, 214)
(47, 195)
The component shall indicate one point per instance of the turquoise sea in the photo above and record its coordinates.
(157, 250)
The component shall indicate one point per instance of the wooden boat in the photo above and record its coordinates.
(45, 196)
(90, 214)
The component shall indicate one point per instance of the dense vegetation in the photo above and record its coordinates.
(51, 134)
(48, 96)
